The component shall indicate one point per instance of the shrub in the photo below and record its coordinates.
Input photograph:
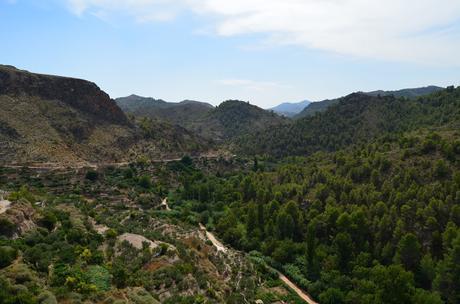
(47, 297)
(20, 295)
(187, 161)
(48, 220)
(111, 234)
(145, 182)
(92, 175)
(6, 227)
(100, 277)
(7, 255)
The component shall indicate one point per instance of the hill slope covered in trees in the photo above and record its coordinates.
(321, 106)
(183, 113)
(230, 120)
(373, 223)
(355, 119)
(234, 118)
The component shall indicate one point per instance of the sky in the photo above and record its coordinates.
(262, 51)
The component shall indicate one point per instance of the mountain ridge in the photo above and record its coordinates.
(78, 93)
(320, 106)
(355, 118)
(46, 118)
(226, 121)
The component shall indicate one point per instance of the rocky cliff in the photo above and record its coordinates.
(77, 93)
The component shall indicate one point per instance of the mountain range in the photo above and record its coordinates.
(52, 118)
(230, 119)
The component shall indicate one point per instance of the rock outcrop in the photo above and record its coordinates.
(79, 94)
(72, 122)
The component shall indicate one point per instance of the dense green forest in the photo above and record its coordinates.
(375, 223)
(357, 118)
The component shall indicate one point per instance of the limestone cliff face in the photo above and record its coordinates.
(80, 94)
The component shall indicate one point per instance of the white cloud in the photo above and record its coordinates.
(252, 84)
(420, 31)
(141, 10)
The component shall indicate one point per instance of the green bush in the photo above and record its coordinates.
(10, 295)
(7, 255)
(48, 220)
(47, 297)
(145, 182)
(99, 276)
(92, 175)
(6, 227)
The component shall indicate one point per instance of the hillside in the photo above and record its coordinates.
(290, 109)
(183, 113)
(356, 118)
(113, 243)
(229, 120)
(315, 107)
(234, 118)
(407, 93)
(372, 223)
(321, 106)
(46, 118)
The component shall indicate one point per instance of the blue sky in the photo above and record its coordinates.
(265, 52)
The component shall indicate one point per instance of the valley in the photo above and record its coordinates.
(229, 152)
(138, 200)
(128, 226)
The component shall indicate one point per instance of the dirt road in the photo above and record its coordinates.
(220, 247)
(304, 296)
(82, 165)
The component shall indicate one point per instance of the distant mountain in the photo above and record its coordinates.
(234, 118)
(46, 118)
(289, 109)
(135, 103)
(183, 113)
(320, 106)
(230, 119)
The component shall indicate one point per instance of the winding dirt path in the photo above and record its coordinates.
(220, 247)
(304, 296)
(82, 165)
